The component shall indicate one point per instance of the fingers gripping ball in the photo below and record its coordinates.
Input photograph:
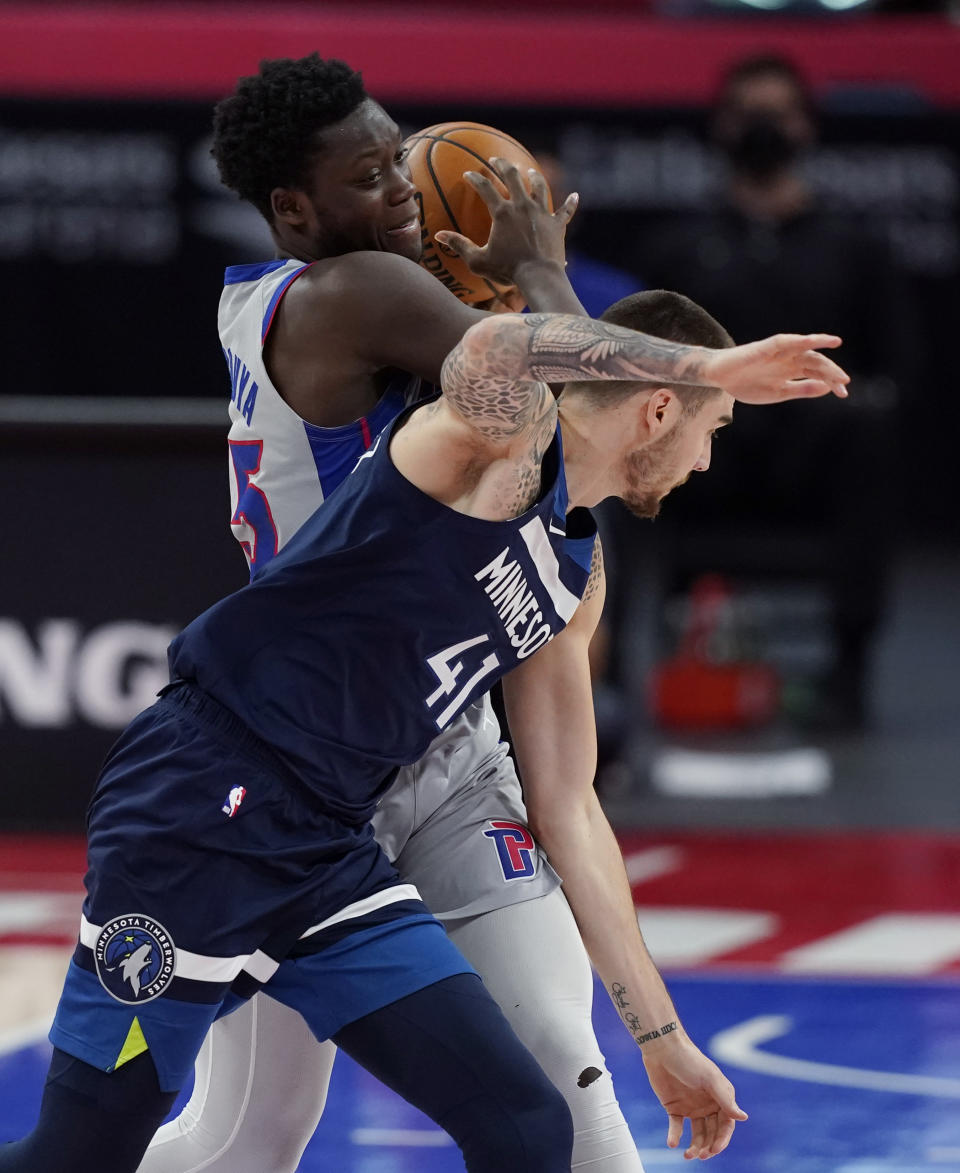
(438, 158)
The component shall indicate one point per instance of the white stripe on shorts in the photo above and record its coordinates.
(198, 968)
(368, 904)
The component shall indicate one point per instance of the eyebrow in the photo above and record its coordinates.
(376, 148)
(724, 419)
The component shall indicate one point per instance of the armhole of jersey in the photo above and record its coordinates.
(274, 304)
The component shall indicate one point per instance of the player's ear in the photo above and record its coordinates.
(660, 411)
(288, 206)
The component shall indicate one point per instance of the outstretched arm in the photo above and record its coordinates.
(493, 377)
(550, 711)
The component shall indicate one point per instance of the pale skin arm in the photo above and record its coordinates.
(479, 447)
(493, 378)
(550, 711)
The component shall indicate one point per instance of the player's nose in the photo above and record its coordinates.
(402, 188)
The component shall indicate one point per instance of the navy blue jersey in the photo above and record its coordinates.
(382, 619)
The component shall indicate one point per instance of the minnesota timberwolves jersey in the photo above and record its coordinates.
(281, 467)
(381, 620)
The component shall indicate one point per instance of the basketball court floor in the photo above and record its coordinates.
(822, 971)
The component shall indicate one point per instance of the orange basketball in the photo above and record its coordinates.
(438, 157)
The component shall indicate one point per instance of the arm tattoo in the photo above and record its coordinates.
(666, 1029)
(593, 585)
(496, 376)
(618, 993)
(565, 347)
(490, 383)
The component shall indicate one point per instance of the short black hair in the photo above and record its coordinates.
(671, 316)
(264, 133)
(668, 315)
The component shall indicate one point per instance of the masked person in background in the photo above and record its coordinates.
(768, 253)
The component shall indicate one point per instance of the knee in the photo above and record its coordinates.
(547, 1130)
(536, 1134)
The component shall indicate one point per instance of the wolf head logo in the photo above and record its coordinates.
(133, 966)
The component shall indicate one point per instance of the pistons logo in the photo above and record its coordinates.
(516, 849)
(135, 958)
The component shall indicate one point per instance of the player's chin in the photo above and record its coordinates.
(405, 242)
(645, 506)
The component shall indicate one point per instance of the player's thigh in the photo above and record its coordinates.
(449, 1050)
(260, 1084)
(532, 960)
(475, 851)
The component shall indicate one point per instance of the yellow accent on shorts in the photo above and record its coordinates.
(134, 1045)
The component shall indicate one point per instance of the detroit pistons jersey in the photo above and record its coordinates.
(282, 468)
(381, 620)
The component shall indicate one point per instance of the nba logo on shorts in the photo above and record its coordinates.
(135, 958)
(234, 798)
(516, 849)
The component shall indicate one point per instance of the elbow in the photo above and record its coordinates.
(559, 827)
(495, 346)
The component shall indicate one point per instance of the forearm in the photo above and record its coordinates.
(584, 851)
(494, 377)
(547, 289)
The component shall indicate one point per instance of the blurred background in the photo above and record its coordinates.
(776, 680)
(781, 644)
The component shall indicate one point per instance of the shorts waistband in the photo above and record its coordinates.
(219, 721)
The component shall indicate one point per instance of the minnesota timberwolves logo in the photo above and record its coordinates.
(135, 958)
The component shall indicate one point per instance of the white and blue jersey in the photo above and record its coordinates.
(282, 467)
(388, 586)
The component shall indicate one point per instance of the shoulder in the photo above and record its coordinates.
(398, 304)
(361, 273)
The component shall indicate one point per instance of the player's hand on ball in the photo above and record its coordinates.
(786, 366)
(524, 228)
(692, 1087)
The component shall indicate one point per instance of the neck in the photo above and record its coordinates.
(294, 249)
(585, 469)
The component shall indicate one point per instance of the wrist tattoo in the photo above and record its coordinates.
(666, 1029)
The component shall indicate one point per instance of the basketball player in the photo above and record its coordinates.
(454, 824)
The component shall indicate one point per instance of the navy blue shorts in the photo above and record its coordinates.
(213, 873)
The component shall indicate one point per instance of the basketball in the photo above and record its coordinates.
(438, 157)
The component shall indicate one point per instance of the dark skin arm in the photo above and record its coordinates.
(350, 319)
(347, 320)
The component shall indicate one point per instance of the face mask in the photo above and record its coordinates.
(760, 148)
